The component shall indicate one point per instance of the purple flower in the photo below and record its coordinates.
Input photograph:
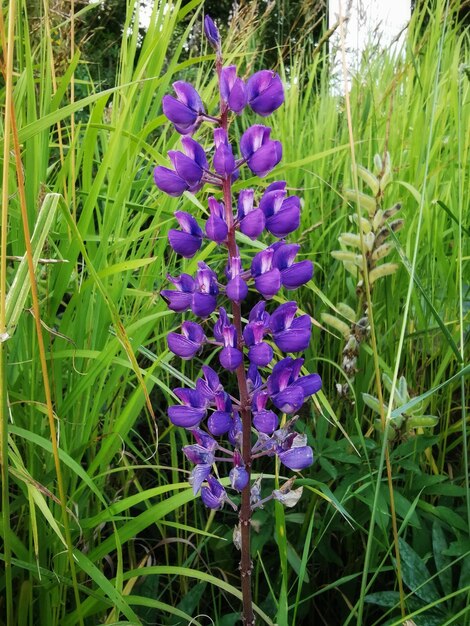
(180, 300)
(220, 421)
(282, 214)
(260, 152)
(199, 454)
(205, 296)
(238, 474)
(287, 391)
(297, 458)
(253, 379)
(235, 432)
(208, 386)
(198, 475)
(265, 92)
(251, 219)
(189, 342)
(189, 165)
(237, 289)
(267, 278)
(224, 161)
(232, 89)
(198, 294)
(230, 356)
(260, 353)
(185, 110)
(212, 33)
(191, 412)
(292, 449)
(293, 275)
(216, 226)
(290, 334)
(188, 240)
(214, 495)
(263, 420)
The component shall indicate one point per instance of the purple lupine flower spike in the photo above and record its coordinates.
(232, 89)
(260, 152)
(236, 289)
(265, 92)
(212, 33)
(185, 110)
(191, 412)
(188, 240)
(214, 495)
(208, 411)
(282, 214)
(290, 334)
(188, 344)
(251, 219)
(216, 226)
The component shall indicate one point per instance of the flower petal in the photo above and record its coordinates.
(186, 416)
(297, 458)
(183, 243)
(268, 284)
(297, 274)
(168, 181)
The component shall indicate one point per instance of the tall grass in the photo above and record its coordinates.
(143, 550)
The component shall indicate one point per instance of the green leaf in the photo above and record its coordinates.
(439, 546)
(416, 575)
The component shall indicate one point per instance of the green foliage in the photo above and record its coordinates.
(145, 550)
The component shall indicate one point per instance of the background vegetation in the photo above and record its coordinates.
(98, 524)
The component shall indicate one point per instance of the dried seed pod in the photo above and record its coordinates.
(377, 222)
(369, 241)
(378, 163)
(347, 311)
(352, 269)
(371, 181)
(391, 212)
(382, 251)
(350, 239)
(384, 270)
(344, 255)
(382, 236)
(366, 202)
(397, 225)
(366, 226)
(333, 321)
(362, 328)
(349, 365)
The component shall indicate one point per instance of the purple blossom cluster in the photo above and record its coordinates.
(227, 429)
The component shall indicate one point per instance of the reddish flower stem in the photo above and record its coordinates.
(246, 564)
